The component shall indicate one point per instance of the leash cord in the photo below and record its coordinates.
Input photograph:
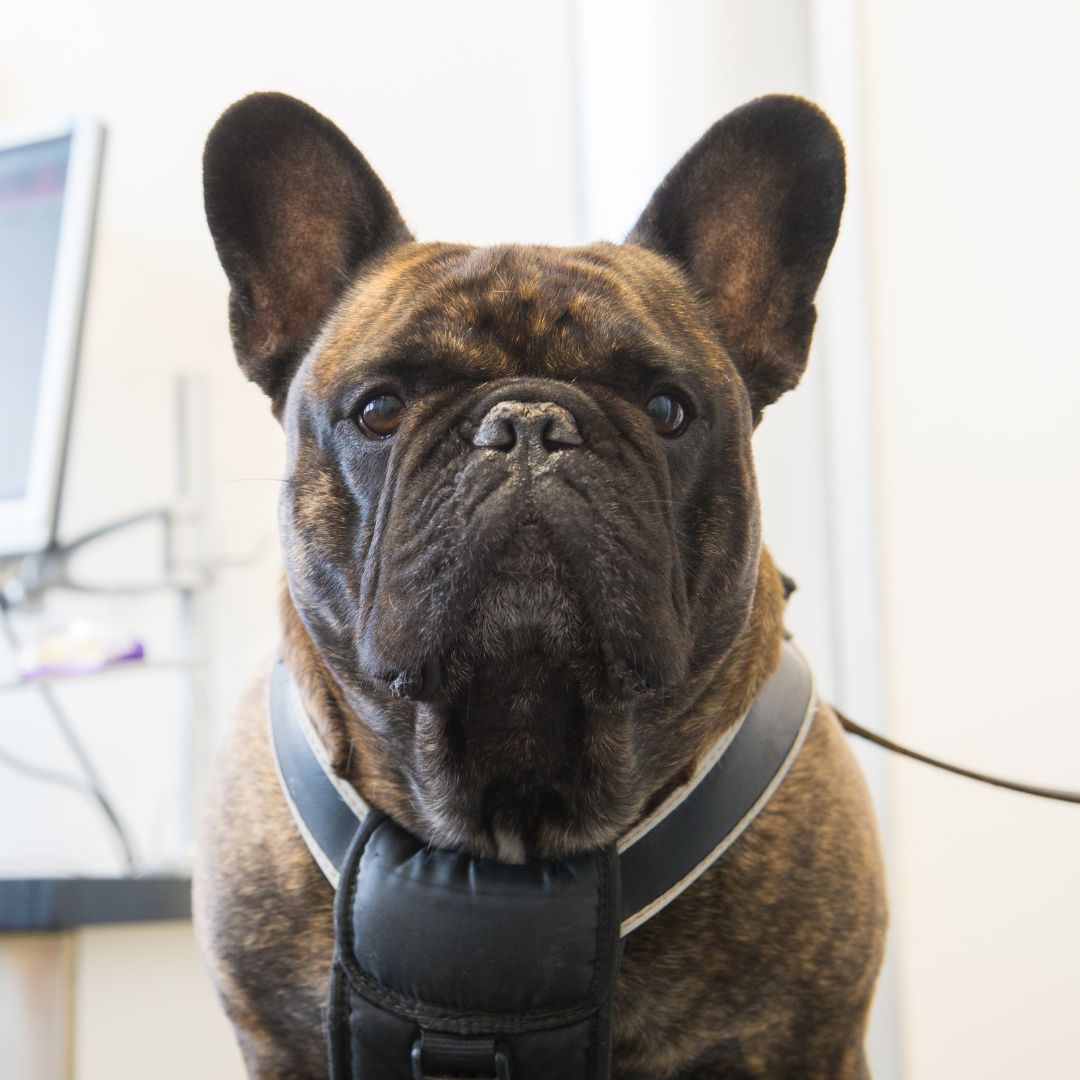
(1060, 794)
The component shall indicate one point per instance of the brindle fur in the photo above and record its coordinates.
(421, 563)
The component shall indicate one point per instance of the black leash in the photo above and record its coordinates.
(1060, 794)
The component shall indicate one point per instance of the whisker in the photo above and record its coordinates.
(250, 480)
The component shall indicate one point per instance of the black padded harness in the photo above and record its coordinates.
(448, 965)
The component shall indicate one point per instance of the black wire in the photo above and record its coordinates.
(93, 787)
(39, 772)
(1060, 794)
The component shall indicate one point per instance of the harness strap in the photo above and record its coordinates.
(660, 858)
(436, 1054)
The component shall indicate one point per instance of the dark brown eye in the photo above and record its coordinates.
(381, 416)
(668, 415)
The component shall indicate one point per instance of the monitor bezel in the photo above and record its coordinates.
(28, 522)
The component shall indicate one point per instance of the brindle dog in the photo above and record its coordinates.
(525, 579)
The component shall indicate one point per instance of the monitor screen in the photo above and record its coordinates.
(32, 182)
(48, 197)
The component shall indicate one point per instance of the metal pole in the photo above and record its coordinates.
(189, 553)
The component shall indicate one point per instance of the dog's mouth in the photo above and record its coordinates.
(530, 614)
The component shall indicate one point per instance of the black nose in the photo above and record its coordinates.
(533, 426)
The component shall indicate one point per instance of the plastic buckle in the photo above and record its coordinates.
(500, 1062)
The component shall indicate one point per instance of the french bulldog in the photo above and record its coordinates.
(525, 580)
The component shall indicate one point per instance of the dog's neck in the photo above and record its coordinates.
(713, 700)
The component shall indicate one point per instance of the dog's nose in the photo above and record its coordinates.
(534, 426)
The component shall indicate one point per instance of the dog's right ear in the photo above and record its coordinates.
(294, 210)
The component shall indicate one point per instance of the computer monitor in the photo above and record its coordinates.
(48, 199)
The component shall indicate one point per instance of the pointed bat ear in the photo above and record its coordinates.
(295, 211)
(751, 213)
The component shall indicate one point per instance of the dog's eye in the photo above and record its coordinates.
(668, 415)
(381, 416)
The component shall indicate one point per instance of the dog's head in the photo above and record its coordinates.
(520, 520)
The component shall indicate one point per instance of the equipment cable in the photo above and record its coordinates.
(1060, 794)
(93, 787)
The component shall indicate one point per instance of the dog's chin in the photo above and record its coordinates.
(527, 751)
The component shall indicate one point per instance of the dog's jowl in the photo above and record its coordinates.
(526, 593)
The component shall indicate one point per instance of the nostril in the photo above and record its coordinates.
(495, 433)
(558, 434)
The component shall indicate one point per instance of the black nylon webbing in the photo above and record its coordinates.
(439, 1054)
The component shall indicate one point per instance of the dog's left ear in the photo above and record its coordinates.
(751, 213)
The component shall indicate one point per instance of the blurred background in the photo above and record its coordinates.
(921, 485)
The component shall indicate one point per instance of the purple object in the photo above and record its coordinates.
(83, 665)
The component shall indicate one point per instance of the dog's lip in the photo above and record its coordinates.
(420, 683)
(426, 681)
(620, 682)
(626, 680)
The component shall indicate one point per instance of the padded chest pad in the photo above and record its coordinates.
(438, 941)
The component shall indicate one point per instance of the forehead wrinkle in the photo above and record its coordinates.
(390, 294)
(379, 302)
(664, 304)
(480, 307)
(594, 284)
(458, 349)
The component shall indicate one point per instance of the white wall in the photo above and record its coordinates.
(973, 113)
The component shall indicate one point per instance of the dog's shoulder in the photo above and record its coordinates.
(263, 911)
(798, 901)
